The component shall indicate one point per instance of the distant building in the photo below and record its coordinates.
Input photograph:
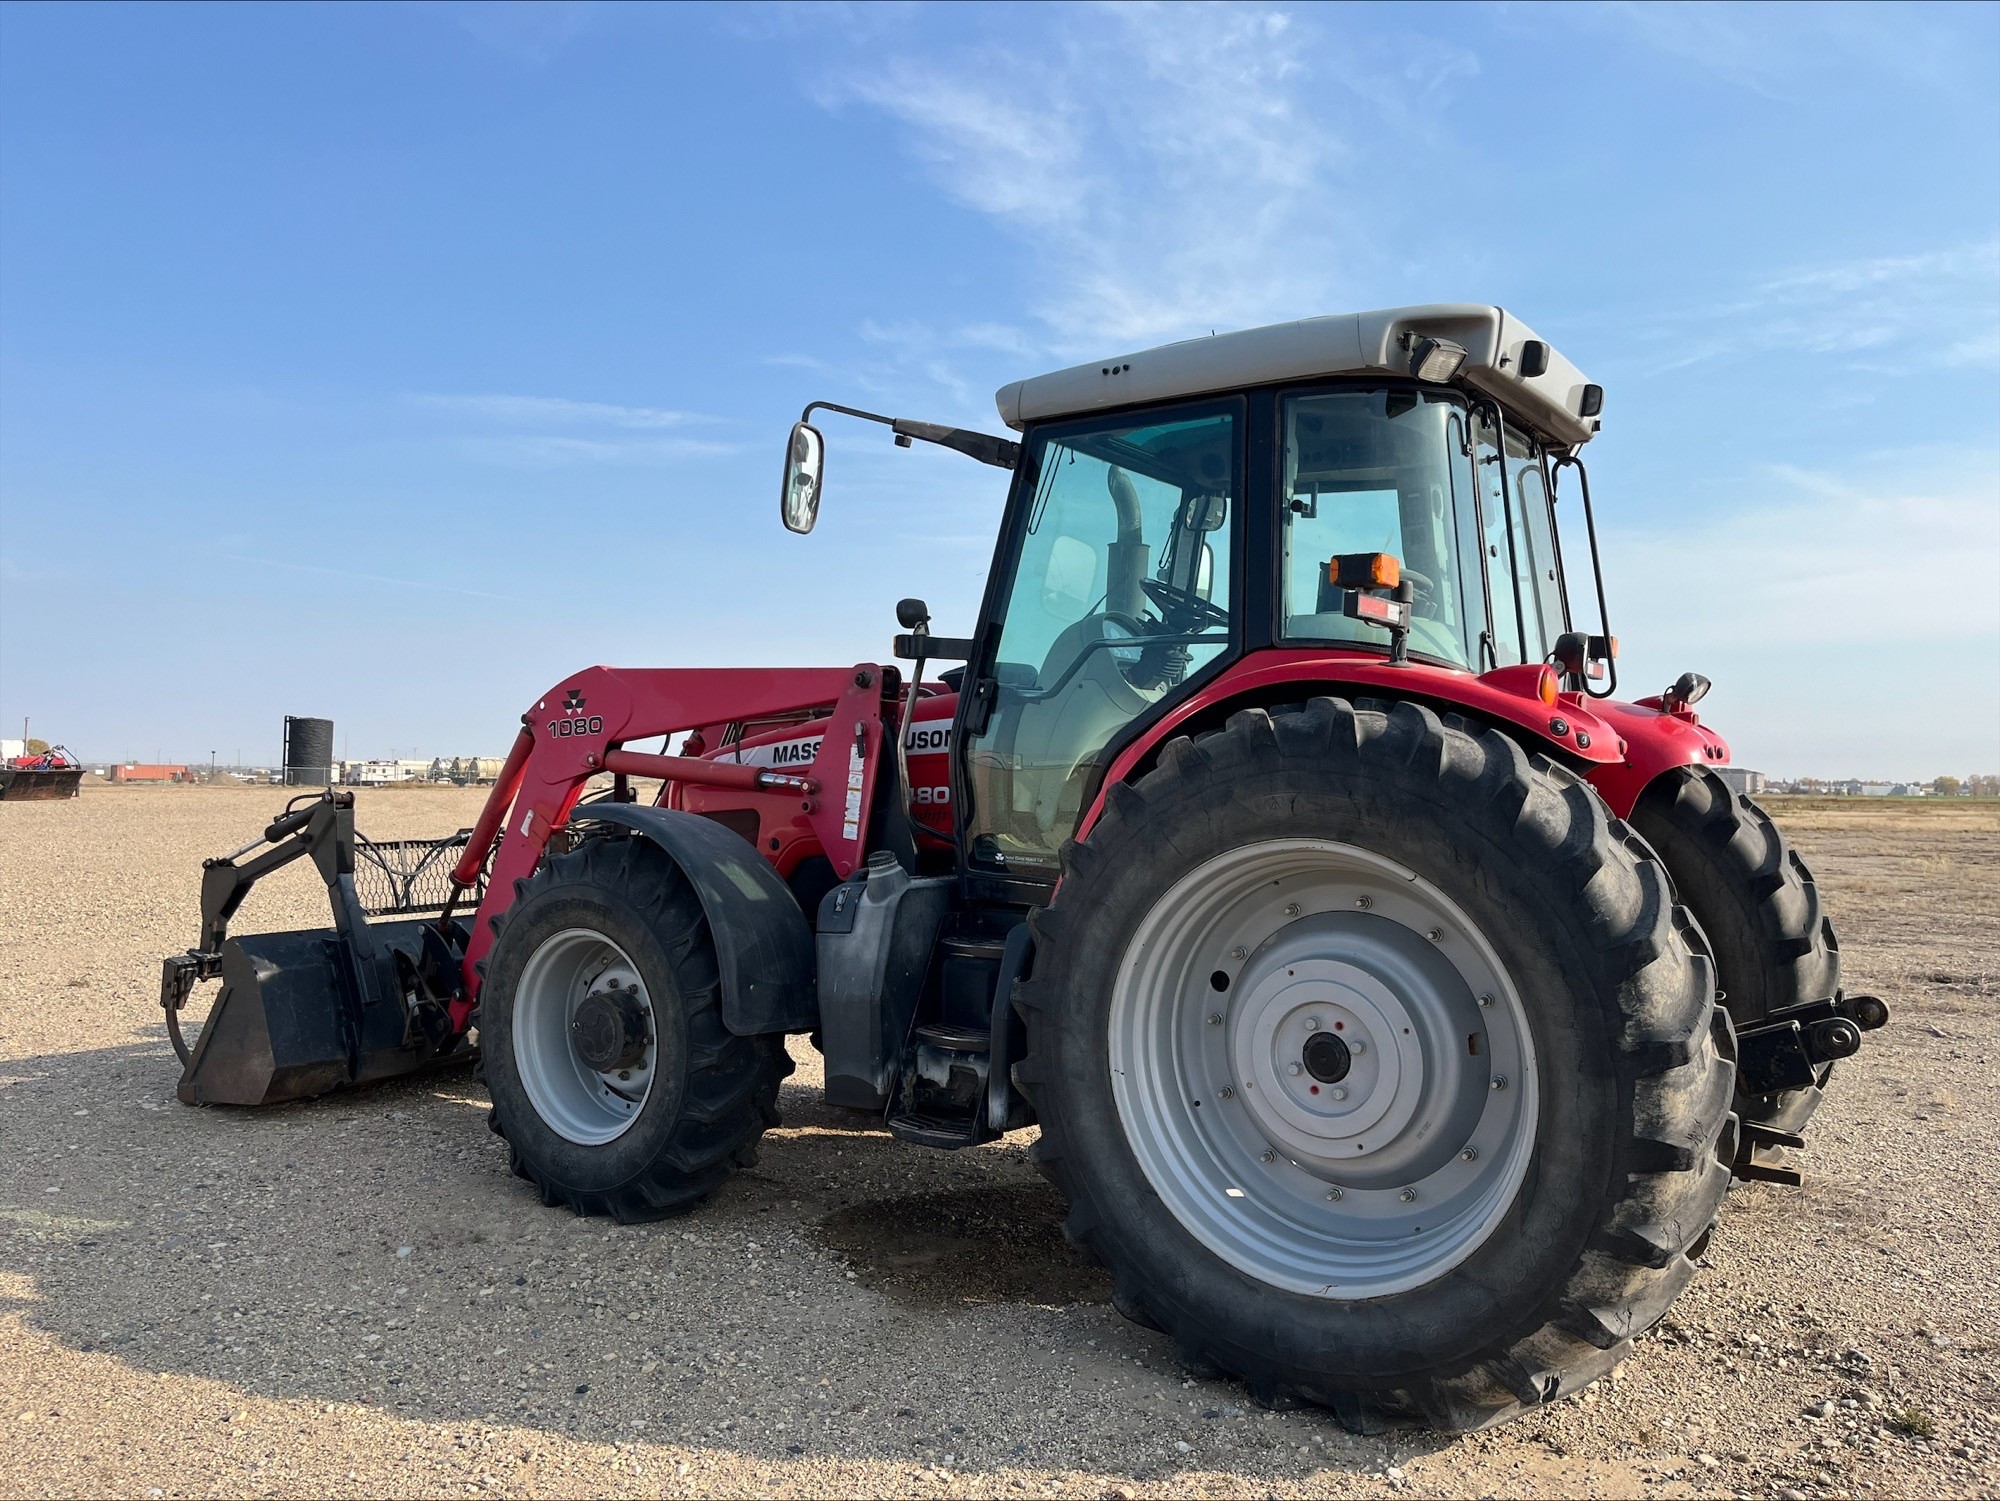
(1877, 789)
(9, 749)
(1742, 779)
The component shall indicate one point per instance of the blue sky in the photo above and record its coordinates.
(388, 363)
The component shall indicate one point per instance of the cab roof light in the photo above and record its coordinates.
(1436, 360)
(1364, 570)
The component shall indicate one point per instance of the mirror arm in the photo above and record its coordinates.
(1001, 453)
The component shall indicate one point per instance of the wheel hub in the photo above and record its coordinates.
(1326, 1057)
(609, 1030)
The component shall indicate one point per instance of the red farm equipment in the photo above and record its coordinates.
(1394, 1003)
(41, 776)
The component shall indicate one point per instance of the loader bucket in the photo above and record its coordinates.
(36, 784)
(305, 1013)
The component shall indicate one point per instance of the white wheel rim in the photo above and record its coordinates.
(580, 1103)
(1360, 1194)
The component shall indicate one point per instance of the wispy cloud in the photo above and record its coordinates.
(1891, 315)
(1776, 50)
(547, 450)
(1800, 626)
(556, 411)
(547, 431)
(529, 31)
(1168, 167)
(1803, 561)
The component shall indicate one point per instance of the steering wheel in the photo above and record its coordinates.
(1421, 583)
(1183, 609)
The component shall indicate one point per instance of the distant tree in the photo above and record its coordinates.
(37, 746)
(1982, 786)
(1947, 787)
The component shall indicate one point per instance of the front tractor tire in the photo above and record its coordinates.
(1378, 1065)
(614, 1082)
(1759, 907)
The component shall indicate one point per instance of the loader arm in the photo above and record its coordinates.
(583, 726)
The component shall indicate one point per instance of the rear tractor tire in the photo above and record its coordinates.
(1378, 1065)
(1757, 905)
(617, 1087)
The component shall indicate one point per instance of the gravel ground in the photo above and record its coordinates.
(352, 1296)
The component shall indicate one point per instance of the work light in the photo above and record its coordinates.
(1436, 359)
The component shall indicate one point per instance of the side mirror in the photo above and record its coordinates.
(805, 457)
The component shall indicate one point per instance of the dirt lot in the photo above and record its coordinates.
(354, 1297)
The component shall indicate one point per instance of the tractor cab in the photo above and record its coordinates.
(1176, 510)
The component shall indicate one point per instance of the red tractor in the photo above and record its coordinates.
(1395, 1004)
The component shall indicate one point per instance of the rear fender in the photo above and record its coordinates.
(763, 945)
(1505, 698)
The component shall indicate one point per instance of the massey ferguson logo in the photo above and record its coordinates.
(574, 703)
(928, 739)
(780, 753)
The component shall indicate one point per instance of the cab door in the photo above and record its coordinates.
(1113, 591)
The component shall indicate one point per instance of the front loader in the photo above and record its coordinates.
(1395, 1004)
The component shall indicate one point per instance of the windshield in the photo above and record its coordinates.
(1382, 471)
(1120, 591)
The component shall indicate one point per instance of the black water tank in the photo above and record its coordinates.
(308, 752)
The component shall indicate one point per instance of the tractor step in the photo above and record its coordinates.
(942, 1099)
(928, 1129)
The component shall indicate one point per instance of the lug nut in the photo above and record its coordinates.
(1408, 1196)
(1267, 1155)
(1294, 1069)
(1469, 1153)
(1333, 1196)
(1215, 1018)
(1436, 935)
(1486, 1000)
(1239, 952)
(1499, 1081)
(1339, 1091)
(1357, 1047)
(1364, 902)
(1291, 909)
(1225, 1093)
(1312, 1024)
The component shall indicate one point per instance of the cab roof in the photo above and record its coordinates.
(1338, 344)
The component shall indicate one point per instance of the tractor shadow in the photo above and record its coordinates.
(849, 1297)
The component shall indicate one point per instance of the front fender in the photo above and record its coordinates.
(763, 945)
(1654, 743)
